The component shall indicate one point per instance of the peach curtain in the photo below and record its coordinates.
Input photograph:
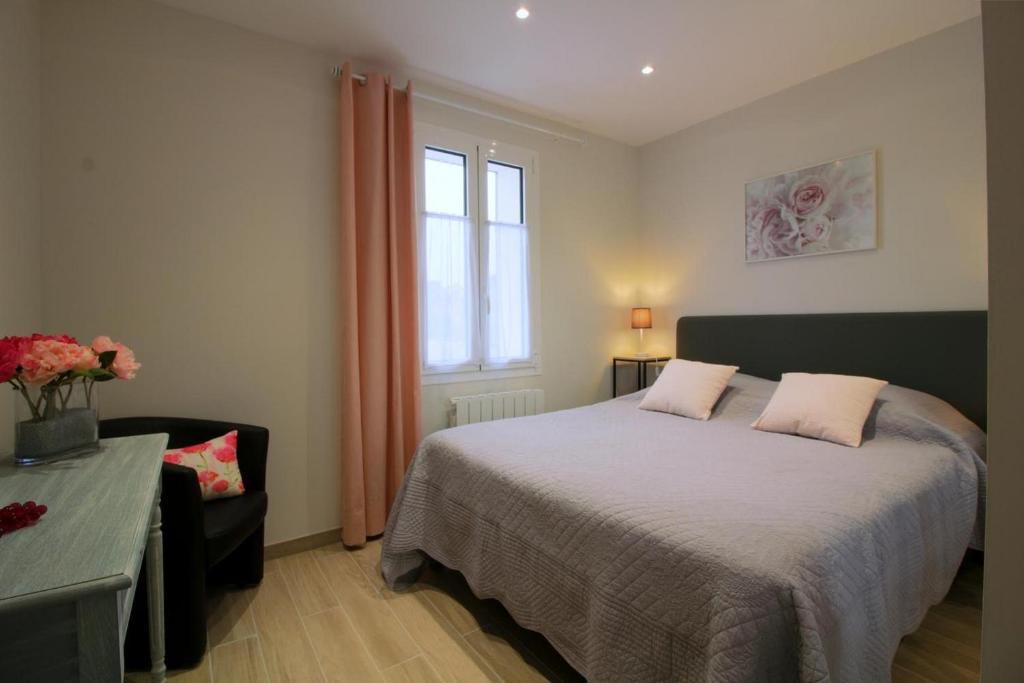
(380, 383)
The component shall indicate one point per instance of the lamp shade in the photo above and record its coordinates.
(641, 319)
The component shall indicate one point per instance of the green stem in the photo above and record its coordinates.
(23, 390)
(49, 408)
(41, 403)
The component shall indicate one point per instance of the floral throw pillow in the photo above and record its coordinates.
(215, 463)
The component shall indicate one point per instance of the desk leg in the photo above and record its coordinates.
(155, 592)
(639, 386)
(615, 366)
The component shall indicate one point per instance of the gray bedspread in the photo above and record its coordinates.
(650, 547)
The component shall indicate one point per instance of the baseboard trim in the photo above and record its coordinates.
(302, 544)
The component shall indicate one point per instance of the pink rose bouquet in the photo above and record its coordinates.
(54, 364)
(124, 364)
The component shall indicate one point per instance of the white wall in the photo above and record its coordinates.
(20, 298)
(1003, 611)
(920, 105)
(190, 178)
(189, 211)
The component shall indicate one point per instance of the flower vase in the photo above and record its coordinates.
(56, 423)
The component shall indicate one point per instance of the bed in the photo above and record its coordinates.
(650, 547)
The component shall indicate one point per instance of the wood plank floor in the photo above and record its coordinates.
(325, 615)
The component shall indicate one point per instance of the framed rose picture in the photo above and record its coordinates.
(823, 209)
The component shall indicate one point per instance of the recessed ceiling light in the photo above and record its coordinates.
(522, 13)
(647, 70)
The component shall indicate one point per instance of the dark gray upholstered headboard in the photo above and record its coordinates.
(941, 353)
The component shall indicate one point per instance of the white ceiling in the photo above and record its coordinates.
(578, 61)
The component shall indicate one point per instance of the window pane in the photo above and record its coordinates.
(504, 193)
(444, 180)
(449, 300)
(508, 322)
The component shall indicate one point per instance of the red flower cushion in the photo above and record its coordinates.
(215, 463)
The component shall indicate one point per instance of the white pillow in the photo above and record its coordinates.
(830, 407)
(688, 388)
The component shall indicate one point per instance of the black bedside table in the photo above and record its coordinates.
(641, 369)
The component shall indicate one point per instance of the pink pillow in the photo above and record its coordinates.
(688, 388)
(215, 463)
(829, 407)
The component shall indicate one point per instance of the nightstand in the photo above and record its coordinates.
(641, 369)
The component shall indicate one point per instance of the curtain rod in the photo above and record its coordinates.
(336, 72)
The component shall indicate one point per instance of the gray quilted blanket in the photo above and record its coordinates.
(650, 547)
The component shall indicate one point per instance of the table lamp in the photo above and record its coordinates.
(641, 320)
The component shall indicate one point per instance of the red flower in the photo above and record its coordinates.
(225, 454)
(206, 476)
(220, 486)
(12, 350)
(174, 458)
(63, 338)
(231, 439)
(197, 448)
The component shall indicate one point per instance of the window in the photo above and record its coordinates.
(477, 200)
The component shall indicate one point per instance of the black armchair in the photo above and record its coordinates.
(220, 541)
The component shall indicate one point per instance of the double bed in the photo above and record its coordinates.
(647, 546)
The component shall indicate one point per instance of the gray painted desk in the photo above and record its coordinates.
(67, 582)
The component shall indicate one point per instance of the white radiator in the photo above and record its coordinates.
(497, 406)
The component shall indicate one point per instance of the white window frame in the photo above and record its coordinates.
(477, 152)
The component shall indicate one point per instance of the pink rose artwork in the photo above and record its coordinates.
(822, 209)
(807, 197)
(778, 231)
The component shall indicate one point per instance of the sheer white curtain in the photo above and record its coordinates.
(476, 256)
(508, 278)
(450, 296)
